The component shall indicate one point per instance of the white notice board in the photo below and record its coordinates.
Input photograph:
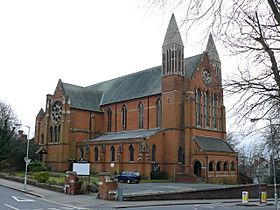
(82, 169)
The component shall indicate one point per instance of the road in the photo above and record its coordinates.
(14, 200)
(11, 199)
(216, 206)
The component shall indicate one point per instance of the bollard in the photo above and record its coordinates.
(120, 194)
(245, 197)
(263, 197)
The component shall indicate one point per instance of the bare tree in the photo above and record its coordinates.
(7, 121)
(250, 157)
(251, 28)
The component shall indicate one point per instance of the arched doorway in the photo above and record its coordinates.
(197, 168)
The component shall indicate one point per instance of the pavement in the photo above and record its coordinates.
(90, 201)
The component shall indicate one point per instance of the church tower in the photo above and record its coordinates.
(172, 50)
(172, 76)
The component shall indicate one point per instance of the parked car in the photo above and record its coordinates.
(129, 177)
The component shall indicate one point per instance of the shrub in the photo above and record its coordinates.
(42, 176)
(158, 175)
(36, 167)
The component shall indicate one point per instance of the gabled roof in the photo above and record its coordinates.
(191, 64)
(172, 33)
(128, 87)
(83, 98)
(137, 85)
(125, 135)
(211, 144)
(40, 113)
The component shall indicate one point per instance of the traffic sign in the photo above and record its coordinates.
(27, 160)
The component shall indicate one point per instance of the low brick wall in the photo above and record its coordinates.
(47, 186)
(233, 192)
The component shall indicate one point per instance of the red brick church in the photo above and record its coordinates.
(169, 118)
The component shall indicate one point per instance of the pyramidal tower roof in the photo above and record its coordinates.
(212, 50)
(172, 34)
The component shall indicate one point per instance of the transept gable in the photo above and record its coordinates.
(204, 76)
(40, 114)
(59, 89)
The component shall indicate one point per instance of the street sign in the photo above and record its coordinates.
(27, 160)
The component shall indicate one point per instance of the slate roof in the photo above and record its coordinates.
(210, 144)
(172, 33)
(137, 85)
(83, 98)
(140, 84)
(125, 135)
(191, 64)
(212, 50)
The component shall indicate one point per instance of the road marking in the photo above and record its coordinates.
(62, 204)
(11, 207)
(18, 199)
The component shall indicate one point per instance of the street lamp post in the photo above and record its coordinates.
(272, 157)
(26, 159)
(273, 166)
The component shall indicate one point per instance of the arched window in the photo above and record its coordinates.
(197, 107)
(158, 113)
(96, 155)
(51, 133)
(211, 166)
(179, 61)
(225, 166)
(180, 154)
(219, 166)
(197, 168)
(164, 63)
(58, 133)
(124, 117)
(131, 153)
(154, 148)
(42, 138)
(109, 118)
(232, 166)
(112, 150)
(168, 61)
(215, 106)
(140, 115)
(81, 153)
(206, 109)
(55, 133)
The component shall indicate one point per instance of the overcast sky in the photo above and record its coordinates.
(80, 42)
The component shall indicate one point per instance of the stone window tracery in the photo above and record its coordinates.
(140, 115)
(131, 153)
(112, 150)
(158, 113)
(124, 117)
(109, 119)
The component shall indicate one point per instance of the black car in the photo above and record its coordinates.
(129, 177)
